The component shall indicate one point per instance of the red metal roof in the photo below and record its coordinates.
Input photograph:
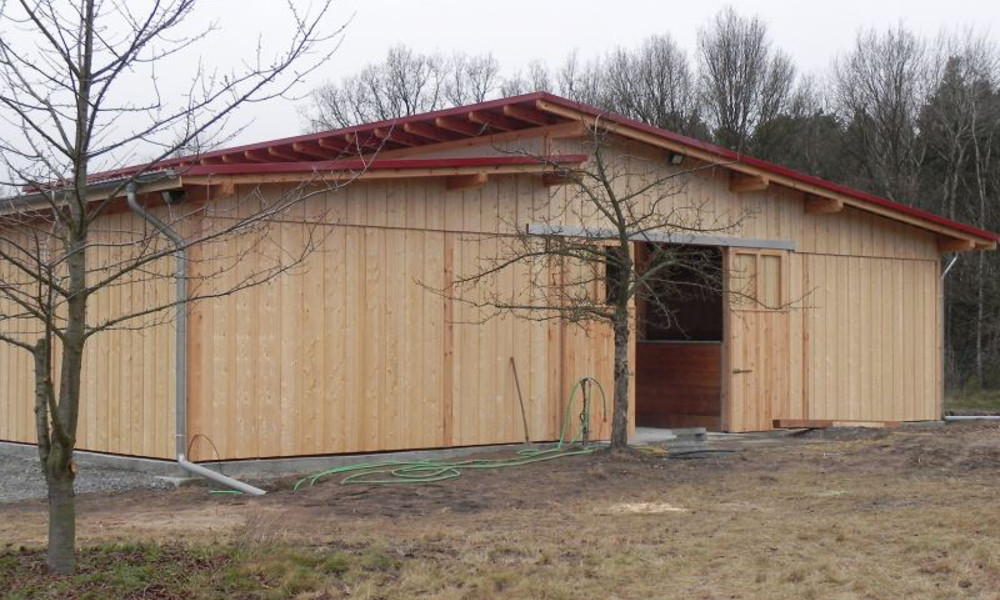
(339, 149)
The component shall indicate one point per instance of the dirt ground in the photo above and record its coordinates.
(911, 513)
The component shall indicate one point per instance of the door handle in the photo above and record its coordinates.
(741, 371)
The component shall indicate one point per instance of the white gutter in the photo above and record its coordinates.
(180, 370)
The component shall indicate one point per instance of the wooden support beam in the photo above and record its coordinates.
(739, 183)
(816, 205)
(233, 159)
(823, 423)
(227, 188)
(568, 130)
(428, 132)
(955, 245)
(528, 115)
(462, 182)
(256, 156)
(283, 154)
(494, 121)
(457, 126)
(331, 144)
(400, 137)
(313, 151)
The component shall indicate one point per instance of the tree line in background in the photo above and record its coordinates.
(901, 116)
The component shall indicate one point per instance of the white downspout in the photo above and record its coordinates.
(180, 370)
(941, 315)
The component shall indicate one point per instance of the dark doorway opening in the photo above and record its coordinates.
(679, 321)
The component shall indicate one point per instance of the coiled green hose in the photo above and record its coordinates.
(432, 471)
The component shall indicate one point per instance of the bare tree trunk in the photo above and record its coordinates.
(56, 457)
(60, 558)
(619, 421)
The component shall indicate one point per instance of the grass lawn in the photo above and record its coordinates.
(913, 513)
(985, 401)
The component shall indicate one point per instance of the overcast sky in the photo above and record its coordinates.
(515, 31)
(518, 31)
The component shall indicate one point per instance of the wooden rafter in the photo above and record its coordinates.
(955, 245)
(739, 183)
(816, 205)
(278, 152)
(399, 137)
(462, 127)
(569, 129)
(331, 144)
(528, 115)
(462, 182)
(356, 141)
(310, 150)
(256, 156)
(427, 132)
(494, 121)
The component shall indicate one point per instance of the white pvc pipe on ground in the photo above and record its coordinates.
(972, 418)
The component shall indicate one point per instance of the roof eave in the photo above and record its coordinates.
(983, 240)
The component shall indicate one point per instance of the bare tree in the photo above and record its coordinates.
(584, 82)
(653, 84)
(79, 89)
(959, 125)
(471, 79)
(405, 83)
(745, 82)
(579, 256)
(538, 78)
(880, 85)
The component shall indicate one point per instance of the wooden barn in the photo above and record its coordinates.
(350, 352)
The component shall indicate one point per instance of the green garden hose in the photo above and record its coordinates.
(433, 471)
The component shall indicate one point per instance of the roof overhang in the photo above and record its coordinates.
(953, 236)
(326, 156)
(145, 183)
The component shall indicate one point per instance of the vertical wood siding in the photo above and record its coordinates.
(127, 389)
(351, 351)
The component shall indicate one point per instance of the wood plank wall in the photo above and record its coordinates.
(853, 273)
(348, 352)
(353, 351)
(678, 384)
(127, 395)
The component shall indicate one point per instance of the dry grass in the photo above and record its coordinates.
(911, 515)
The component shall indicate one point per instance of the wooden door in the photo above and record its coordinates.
(756, 359)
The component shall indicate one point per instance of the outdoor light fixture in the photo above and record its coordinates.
(174, 196)
(675, 158)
